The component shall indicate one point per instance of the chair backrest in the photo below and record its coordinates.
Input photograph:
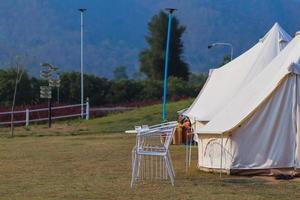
(169, 136)
(155, 139)
(166, 124)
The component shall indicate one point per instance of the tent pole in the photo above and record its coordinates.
(221, 155)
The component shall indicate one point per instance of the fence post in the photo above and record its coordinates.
(27, 117)
(87, 109)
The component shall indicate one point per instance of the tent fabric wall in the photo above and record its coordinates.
(225, 82)
(262, 122)
(257, 91)
(297, 125)
(273, 134)
(209, 152)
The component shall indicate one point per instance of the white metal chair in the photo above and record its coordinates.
(188, 149)
(164, 125)
(151, 157)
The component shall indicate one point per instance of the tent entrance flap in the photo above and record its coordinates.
(265, 139)
(296, 115)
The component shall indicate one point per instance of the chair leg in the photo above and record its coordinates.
(170, 161)
(190, 153)
(169, 170)
(134, 168)
(139, 159)
(186, 157)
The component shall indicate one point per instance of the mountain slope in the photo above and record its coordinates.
(49, 30)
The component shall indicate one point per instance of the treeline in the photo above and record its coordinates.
(100, 91)
(146, 84)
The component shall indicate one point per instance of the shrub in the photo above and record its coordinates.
(152, 89)
(125, 91)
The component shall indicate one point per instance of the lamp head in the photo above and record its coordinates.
(171, 10)
(82, 9)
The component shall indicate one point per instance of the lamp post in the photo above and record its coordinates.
(170, 10)
(223, 44)
(82, 10)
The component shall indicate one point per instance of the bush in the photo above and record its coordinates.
(152, 89)
(177, 87)
(96, 88)
(7, 87)
(99, 90)
(196, 83)
(125, 91)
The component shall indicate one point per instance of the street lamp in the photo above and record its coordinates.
(82, 10)
(222, 44)
(170, 10)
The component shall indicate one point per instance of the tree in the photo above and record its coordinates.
(177, 87)
(152, 59)
(120, 73)
(152, 89)
(124, 91)
(226, 59)
(196, 82)
(198, 79)
(70, 87)
(7, 87)
(96, 88)
(138, 76)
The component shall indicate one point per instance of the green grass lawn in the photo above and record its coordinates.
(91, 160)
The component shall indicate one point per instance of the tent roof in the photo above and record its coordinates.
(225, 82)
(257, 91)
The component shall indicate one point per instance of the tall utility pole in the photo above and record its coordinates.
(81, 57)
(170, 10)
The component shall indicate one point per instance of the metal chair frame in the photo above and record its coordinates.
(151, 157)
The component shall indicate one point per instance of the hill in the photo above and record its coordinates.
(49, 31)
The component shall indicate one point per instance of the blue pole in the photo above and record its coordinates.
(164, 118)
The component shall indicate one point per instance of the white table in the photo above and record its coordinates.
(131, 131)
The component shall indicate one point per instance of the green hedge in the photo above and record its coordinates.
(100, 91)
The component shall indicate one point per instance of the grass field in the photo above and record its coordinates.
(91, 160)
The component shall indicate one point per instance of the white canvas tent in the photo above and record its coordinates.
(225, 82)
(259, 130)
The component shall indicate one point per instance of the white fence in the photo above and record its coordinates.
(27, 112)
